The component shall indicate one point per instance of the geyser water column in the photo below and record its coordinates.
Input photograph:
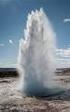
(36, 60)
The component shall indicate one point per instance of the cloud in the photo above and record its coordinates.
(1, 45)
(10, 41)
(64, 53)
(63, 57)
(63, 63)
(8, 63)
(66, 20)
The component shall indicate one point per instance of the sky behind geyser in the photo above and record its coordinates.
(13, 16)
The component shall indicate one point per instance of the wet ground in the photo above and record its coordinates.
(12, 100)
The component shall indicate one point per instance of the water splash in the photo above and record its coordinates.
(36, 61)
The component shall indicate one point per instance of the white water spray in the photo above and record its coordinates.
(36, 62)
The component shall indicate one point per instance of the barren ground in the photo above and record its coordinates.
(12, 100)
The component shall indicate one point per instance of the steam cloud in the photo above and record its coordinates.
(36, 60)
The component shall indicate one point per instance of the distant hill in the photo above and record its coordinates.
(12, 72)
(14, 69)
(62, 70)
(8, 72)
(7, 69)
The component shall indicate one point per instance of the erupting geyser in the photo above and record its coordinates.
(36, 62)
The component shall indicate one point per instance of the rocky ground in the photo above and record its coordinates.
(12, 100)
